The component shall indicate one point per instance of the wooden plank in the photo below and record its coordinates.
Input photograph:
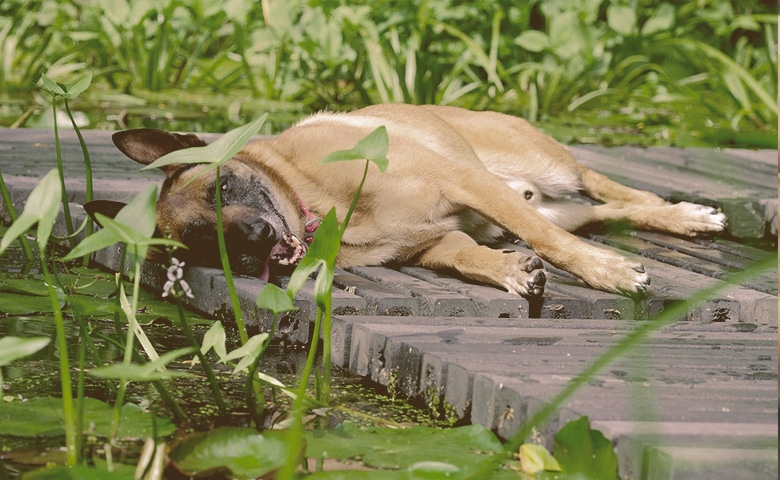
(433, 300)
(490, 301)
(749, 201)
(693, 256)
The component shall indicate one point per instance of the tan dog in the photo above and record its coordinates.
(455, 177)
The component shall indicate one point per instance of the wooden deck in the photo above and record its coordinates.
(697, 400)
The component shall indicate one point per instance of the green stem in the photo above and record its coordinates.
(203, 360)
(128, 353)
(87, 167)
(9, 206)
(295, 435)
(242, 333)
(61, 172)
(71, 452)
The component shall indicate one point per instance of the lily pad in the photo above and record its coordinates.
(42, 417)
(584, 453)
(417, 449)
(243, 453)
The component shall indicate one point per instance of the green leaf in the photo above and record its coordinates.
(535, 458)
(42, 416)
(14, 348)
(218, 152)
(372, 148)
(622, 19)
(321, 255)
(215, 338)
(465, 448)
(584, 453)
(42, 206)
(533, 41)
(661, 20)
(133, 225)
(147, 372)
(242, 453)
(75, 89)
(52, 87)
(275, 300)
(247, 353)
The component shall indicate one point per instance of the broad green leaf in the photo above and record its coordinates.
(247, 353)
(42, 416)
(533, 41)
(77, 88)
(584, 453)
(270, 380)
(622, 19)
(661, 20)
(321, 255)
(147, 372)
(372, 148)
(215, 338)
(218, 152)
(14, 348)
(141, 213)
(275, 300)
(42, 206)
(463, 447)
(52, 87)
(241, 453)
(535, 458)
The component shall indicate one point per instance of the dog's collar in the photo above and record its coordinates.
(312, 222)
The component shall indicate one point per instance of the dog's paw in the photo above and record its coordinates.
(615, 273)
(694, 219)
(526, 277)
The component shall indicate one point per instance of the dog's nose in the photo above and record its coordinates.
(252, 231)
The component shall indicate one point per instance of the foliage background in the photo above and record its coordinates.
(680, 72)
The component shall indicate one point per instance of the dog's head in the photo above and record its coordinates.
(255, 206)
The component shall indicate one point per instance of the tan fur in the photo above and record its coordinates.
(454, 175)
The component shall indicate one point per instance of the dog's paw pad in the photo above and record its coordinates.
(526, 278)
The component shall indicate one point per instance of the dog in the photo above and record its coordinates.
(457, 180)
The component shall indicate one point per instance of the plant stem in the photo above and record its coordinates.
(203, 360)
(61, 172)
(87, 167)
(128, 353)
(242, 333)
(9, 206)
(295, 435)
(71, 452)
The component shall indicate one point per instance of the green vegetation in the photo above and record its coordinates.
(691, 72)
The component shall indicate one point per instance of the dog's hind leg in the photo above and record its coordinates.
(682, 218)
(642, 209)
(602, 188)
(511, 270)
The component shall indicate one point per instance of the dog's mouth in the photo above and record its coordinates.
(287, 252)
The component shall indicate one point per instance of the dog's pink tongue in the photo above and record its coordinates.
(266, 273)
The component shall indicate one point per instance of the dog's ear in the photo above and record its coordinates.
(108, 208)
(145, 145)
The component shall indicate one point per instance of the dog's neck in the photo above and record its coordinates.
(312, 222)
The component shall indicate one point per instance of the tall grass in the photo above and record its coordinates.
(534, 58)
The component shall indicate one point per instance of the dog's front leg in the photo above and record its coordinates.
(511, 270)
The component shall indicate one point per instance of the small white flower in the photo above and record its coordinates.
(175, 273)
